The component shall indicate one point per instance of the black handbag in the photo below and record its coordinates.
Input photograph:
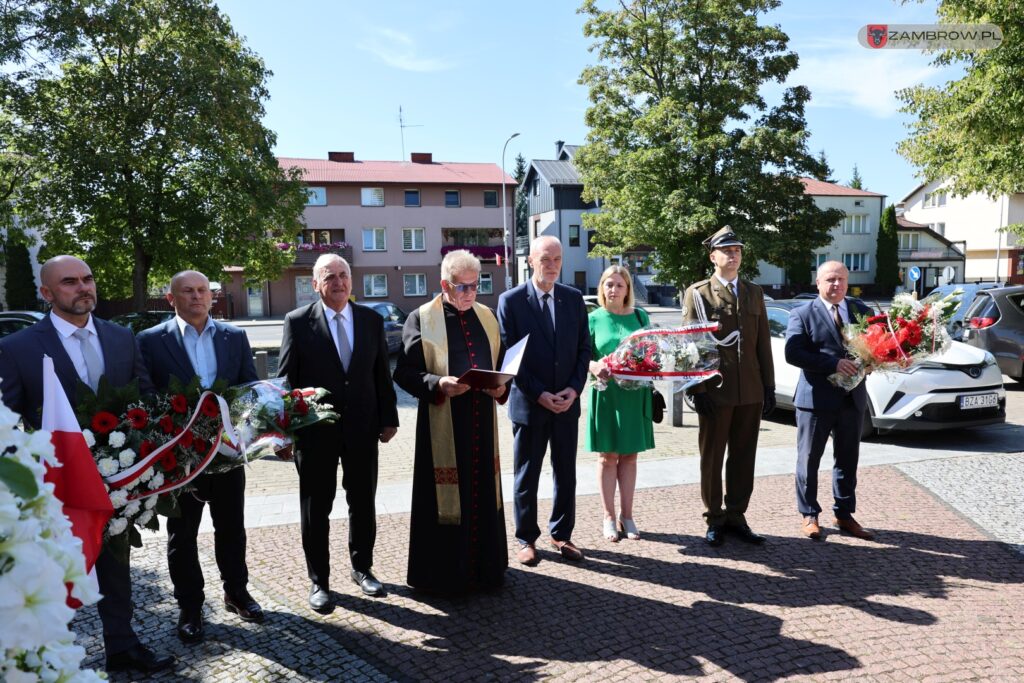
(657, 400)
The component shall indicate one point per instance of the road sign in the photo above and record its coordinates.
(914, 273)
(949, 272)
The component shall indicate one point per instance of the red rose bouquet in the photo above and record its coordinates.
(684, 355)
(910, 332)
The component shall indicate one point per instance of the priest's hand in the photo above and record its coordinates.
(450, 386)
(496, 393)
(387, 433)
(285, 453)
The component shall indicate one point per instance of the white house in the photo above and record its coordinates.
(976, 221)
(854, 238)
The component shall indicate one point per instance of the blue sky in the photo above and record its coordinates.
(469, 73)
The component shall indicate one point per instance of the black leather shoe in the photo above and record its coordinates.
(368, 583)
(714, 536)
(745, 533)
(190, 625)
(244, 606)
(320, 599)
(138, 658)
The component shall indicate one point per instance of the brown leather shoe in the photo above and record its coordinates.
(811, 528)
(527, 555)
(851, 527)
(567, 550)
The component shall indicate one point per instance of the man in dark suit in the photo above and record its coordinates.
(814, 343)
(85, 348)
(729, 413)
(544, 401)
(340, 346)
(191, 344)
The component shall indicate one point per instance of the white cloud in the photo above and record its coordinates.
(841, 76)
(399, 50)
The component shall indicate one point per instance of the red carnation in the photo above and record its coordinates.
(301, 407)
(296, 393)
(146, 447)
(168, 461)
(138, 417)
(167, 424)
(104, 422)
(179, 403)
(209, 408)
(283, 421)
(186, 439)
(877, 319)
(200, 445)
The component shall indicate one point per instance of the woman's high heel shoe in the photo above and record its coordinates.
(611, 531)
(628, 529)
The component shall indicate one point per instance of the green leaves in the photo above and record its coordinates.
(18, 478)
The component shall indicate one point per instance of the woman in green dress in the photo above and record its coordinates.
(619, 423)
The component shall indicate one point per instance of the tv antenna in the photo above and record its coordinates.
(402, 125)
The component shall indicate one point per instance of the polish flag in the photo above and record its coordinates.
(77, 482)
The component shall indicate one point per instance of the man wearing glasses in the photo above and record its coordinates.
(544, 402)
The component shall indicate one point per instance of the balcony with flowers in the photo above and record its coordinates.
(313, 243)
(484, 243)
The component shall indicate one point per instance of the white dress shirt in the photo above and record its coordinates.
(65, 330)
(200, 350)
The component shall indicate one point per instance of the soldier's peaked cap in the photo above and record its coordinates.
(723, 238)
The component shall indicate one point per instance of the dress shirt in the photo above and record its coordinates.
(199, 347)
(732, 285)
(540, 300)
(843, 313)
(74, 348)
(346, 324)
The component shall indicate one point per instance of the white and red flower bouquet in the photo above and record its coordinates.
(910, 332)
(684, 355)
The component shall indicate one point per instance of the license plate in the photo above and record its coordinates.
(979, 401)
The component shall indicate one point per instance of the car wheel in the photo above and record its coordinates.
(867, 428)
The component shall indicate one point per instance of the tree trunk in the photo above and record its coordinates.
(140, 277)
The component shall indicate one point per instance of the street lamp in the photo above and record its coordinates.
(504, 213)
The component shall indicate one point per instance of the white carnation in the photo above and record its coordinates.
(150, 502)
(107, 467)
(126, 457)
(90, 438)
(158, 481)
(116, 439)
(132, 509)
(147, 474)
(118, 498)
(117, 526)
(146, 516)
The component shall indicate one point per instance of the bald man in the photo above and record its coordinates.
(194, 344)
(83, 347)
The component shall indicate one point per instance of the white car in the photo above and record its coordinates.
(962, 387)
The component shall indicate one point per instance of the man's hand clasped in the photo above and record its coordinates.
(557, 403)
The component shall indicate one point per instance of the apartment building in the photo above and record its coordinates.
(393, 221)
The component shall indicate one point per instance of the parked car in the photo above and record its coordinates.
(394, 320)
(810, 296)
(137, 321)
(12, 321)
(995, 323)
(970, 291)
(962, 387)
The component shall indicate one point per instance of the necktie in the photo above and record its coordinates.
(732, 290)
(344, 349)
(545, 311)
(93, 364)
(837, 319)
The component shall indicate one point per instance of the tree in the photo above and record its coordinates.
(674, 150)
(19, 281)
(522, 212)
(155, 155)
(825, 173)
(971, 130)
(856, 182)
(887, 257)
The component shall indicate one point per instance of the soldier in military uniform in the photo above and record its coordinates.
(729, 413)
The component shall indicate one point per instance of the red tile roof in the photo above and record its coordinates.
(438, 172)
(820, 187)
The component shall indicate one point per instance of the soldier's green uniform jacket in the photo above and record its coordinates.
(747, 367)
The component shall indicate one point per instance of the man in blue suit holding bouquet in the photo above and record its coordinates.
(815, 344)
(193, 344)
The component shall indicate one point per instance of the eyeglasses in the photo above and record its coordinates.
(462, 289)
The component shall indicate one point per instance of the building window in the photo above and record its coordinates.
(933, 199)
(373, 239)
(856, 224)
(412, 197)
(856, 262)
(414, 284)
(413, 239)
(322, 236)
(372, 196)
(938, 227)
(574, 235)
(316, 196)
(375, 285)
(486, 285)
(491, 199)
(909, 240)
(817, 260)
(536, 187)
(452, 199)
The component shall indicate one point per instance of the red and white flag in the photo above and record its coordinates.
(77, 482)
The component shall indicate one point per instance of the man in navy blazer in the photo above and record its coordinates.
(192, 343)
(107, 350)
(544, 401)
(814, 343)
